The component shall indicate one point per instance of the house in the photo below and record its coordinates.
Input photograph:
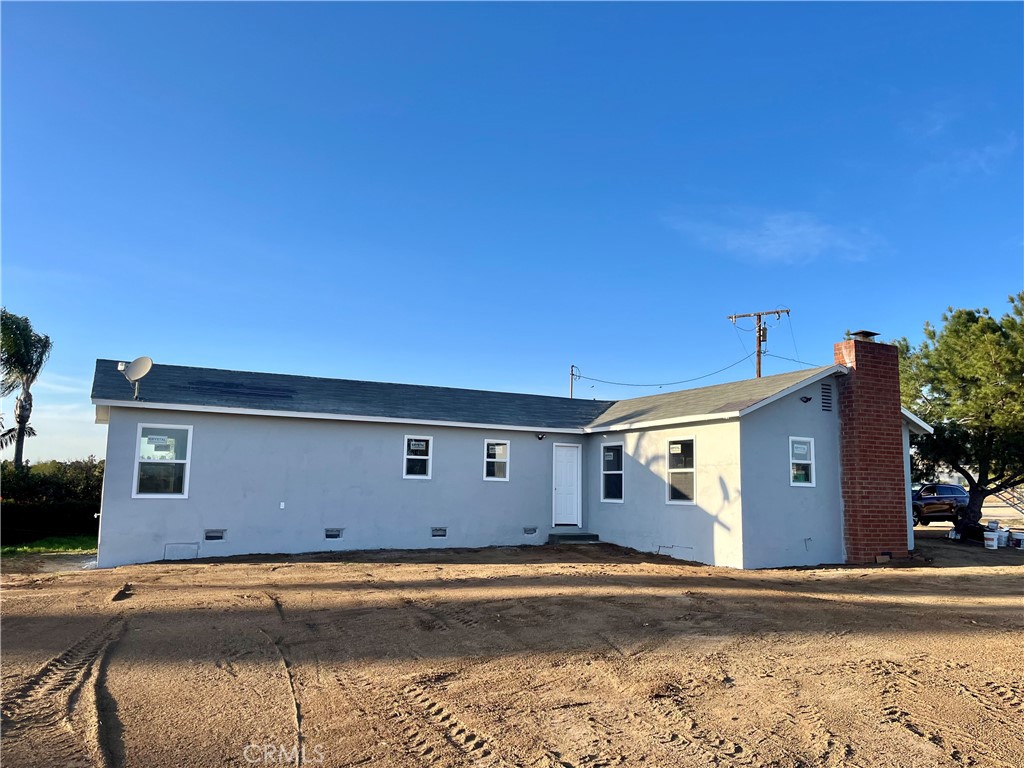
(798, 468)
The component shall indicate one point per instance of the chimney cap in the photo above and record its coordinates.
(864, 335)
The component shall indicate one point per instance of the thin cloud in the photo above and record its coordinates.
(961, 163)
(780, 237)
(54, 382)
(930, 123)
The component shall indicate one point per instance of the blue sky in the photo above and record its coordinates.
(481, 195)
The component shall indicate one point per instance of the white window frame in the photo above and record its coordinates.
(138, 461)
(429, 457)
(507, 460)
(621, 472)
(669, 472)
(790, 463)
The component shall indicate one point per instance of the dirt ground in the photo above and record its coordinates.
(575, 656)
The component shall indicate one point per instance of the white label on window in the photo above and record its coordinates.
(417, 445)
(157, 439)
(675, 449)
(609, 456)
(799, 449)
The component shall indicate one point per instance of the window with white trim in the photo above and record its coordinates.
(417, 457)
(611, 472)
(162, 461)
(801, 461)
(682, 474)
(496, 459)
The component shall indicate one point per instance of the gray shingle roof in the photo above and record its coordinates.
(210, 387)
(719, 398)
(181, 385)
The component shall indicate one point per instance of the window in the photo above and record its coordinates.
(681, 473)
(417, 457)
(801, 461)
(496, 459)
(162, 461)
(611, 472)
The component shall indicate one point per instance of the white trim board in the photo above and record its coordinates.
(328, 416)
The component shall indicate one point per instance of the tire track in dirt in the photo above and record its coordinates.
(477, 747)
(284, 654)
(673, 704)
(959, 746)
(828, 747)
(1007, 695)
(402, 731)
(613, 734)
(50, 704)
(804, 712)
(422, 725)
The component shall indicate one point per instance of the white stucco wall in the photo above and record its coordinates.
(784, 524)
(329, 474)
(708, 531)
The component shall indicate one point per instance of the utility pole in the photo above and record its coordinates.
(574, 373)
(762, 330)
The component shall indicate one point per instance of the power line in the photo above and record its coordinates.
(792, 335)
(579, 375)
(793, 360)
(761, 337)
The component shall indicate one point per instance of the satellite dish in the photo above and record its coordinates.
(136, 370)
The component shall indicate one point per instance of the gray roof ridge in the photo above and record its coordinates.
(809, 371)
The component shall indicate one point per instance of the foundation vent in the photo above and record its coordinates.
(530, 530)
(333, 533)
(214, 534)
(826, 396)
(439, 533)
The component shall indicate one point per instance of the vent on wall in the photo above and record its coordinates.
(214, 534)
(826, 396)
(439, 533)
(530, 531)
(333, 533)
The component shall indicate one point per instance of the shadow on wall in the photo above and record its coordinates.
(705, 531)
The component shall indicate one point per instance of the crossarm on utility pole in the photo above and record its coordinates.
(760, 328)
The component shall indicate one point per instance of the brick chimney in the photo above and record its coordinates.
(871, 450)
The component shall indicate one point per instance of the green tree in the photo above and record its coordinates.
(23, 353)
(966, 379)
(9, 434)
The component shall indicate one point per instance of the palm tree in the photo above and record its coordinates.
(23, 353)
(8, 435)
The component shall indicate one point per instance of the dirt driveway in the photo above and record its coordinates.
(590, 656)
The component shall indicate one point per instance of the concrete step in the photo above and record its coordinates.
(573, 538)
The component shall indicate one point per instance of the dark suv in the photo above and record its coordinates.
(938, 502)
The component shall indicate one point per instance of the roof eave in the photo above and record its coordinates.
(100, 402)
(835, 369)
(916, 425)
(658, 423)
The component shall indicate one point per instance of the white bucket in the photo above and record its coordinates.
(1004, 538)
(991, 539)
(1018, 539)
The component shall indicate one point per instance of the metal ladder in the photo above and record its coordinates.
(1013, 498)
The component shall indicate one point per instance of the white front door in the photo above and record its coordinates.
(566, 494)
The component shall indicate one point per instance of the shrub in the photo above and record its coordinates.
(52, 498)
